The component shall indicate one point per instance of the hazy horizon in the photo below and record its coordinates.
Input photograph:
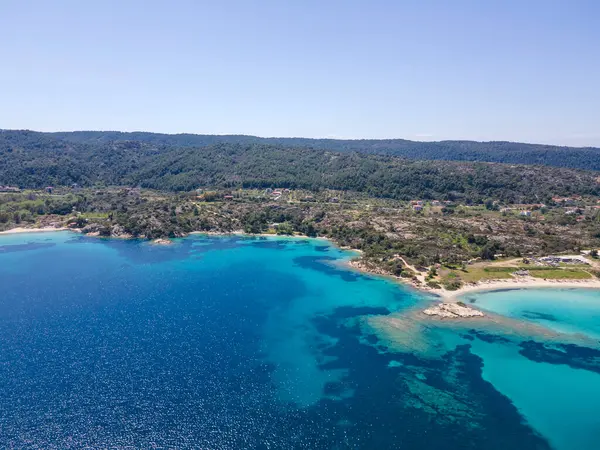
(421, 71)
(297, 137)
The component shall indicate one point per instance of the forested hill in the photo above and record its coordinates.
(503, 152)
(29, 159)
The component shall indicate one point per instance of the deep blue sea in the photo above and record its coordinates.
(257, 343)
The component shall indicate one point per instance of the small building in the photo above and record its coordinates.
(435, 203)
(49, 189)
(525, 213)
(334, 200)
(564, 200)
(417, 208)
(228, 197)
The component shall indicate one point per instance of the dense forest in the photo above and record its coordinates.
(30, 159)
(502, 152)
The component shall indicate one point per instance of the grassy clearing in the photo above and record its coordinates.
(561, 274)
(475, 274)
(500, 269)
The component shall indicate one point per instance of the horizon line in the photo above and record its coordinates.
(301, 137)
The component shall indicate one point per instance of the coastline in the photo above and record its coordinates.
(447, 296)
(358, 265)
(514, 284)
(280, 236)
(20, 230)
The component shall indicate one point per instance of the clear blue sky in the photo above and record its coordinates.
(524, 70)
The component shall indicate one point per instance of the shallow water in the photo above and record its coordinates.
(232, 342)
(563, 310)
(550, 388)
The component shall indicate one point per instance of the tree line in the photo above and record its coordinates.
(36, 160)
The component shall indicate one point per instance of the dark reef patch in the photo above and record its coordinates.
(488, 337)
(276, 244)
(397, 408)
(538, 316)
(572, 355)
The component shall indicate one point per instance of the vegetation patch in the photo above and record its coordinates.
(561, 274)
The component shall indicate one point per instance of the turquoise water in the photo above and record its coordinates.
(559, 401)
(235, 343)
(557, 397)
(563, 310)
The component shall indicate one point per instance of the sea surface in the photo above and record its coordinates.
(258, 343)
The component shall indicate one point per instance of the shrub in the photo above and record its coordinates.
(434, 284)
(453, 284)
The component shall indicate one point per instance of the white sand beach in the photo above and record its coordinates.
(32, 230)
(516, 283)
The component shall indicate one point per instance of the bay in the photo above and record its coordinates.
(239, 342)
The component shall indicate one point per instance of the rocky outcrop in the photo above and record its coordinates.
(118, 231)
(162, 241)
(364, 266)
(97, 229)
(452, 311)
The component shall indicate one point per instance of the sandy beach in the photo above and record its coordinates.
(32, 230)
(482, 286)
(445, 295)
(520, 283)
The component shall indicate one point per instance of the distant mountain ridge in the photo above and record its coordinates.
(35, 160)
(494, 151)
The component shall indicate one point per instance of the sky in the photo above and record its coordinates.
(518, 70)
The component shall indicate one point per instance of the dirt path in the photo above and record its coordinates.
(419, 275)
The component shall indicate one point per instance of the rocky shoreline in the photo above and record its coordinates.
(359, 264)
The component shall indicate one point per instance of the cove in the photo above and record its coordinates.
(240, 342)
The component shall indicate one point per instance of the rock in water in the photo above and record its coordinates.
(452, 311)
(162, 241)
